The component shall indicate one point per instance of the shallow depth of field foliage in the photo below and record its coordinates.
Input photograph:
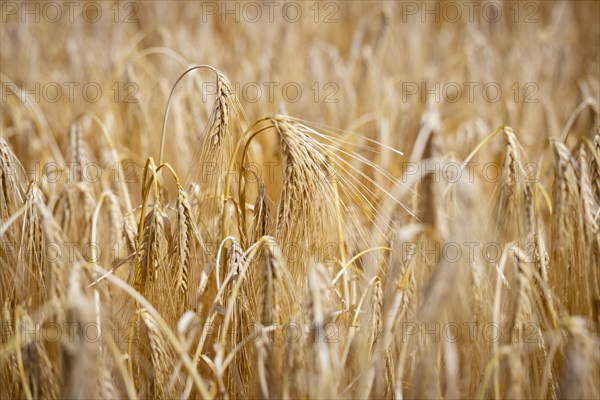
(396, 229)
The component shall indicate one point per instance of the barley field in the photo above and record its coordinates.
(300, 199)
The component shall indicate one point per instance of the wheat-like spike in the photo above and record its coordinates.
(44, 379)
(389, 381)
(306, 211)
(590, 239)
(566, 217)
(221, 110)
(268, 290)
(565, 178)
(115, 217)
(259, 312)
(13, 182)
(160, 228)
(9, 366)
(129, 237)
(153, 250)
(74, 210)
(108, 389)
(10, 237)
(56, 267)
(262, 354)
(215, 152)
(595, 167)
(13, 192)
(235, 259)
(262, 216)
(477, 277)
(521, 297)
(31, 260)
(376, 318)
(161, 356)
(532, 303)
(183, 237)
(76, 150)
(589, 204)
(515, 203)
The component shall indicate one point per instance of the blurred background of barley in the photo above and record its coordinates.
(206, 298)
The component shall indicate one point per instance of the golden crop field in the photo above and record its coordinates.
(300, 199)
